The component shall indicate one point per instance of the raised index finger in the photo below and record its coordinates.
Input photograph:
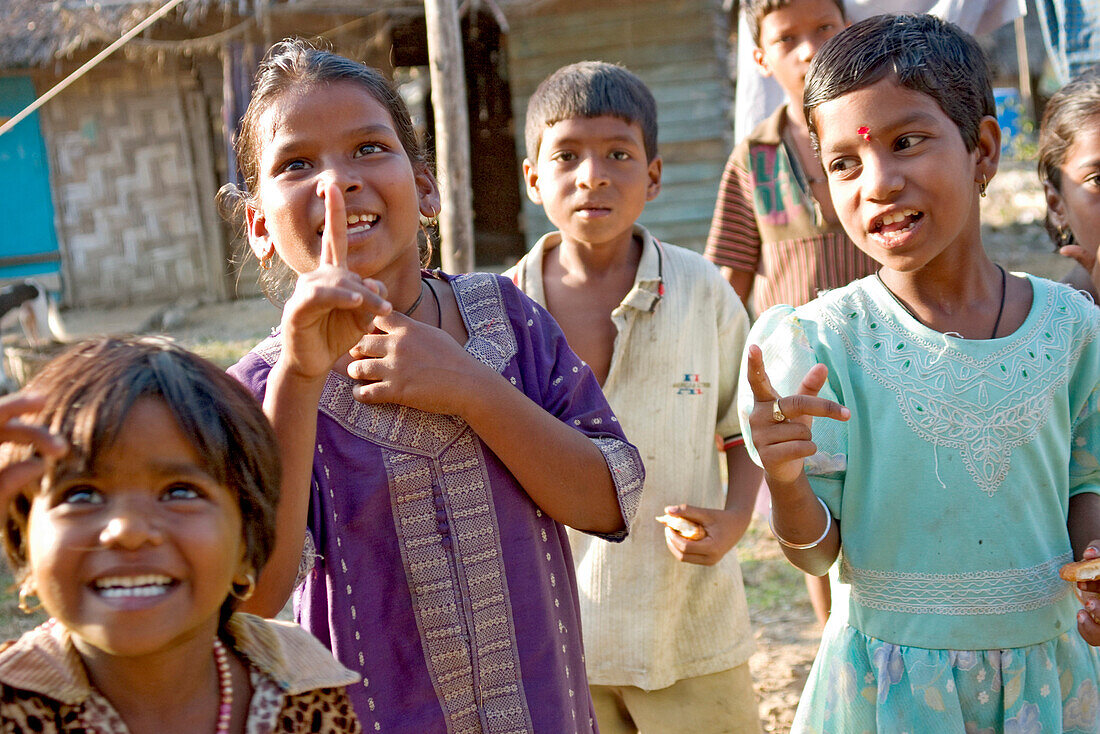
(334, 238)
(761, 384)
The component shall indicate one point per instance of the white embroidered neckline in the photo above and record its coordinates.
(983, 408)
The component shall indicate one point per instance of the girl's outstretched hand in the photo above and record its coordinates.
(1088, 618)
(15, 476)
(414, 364)
(783, 444)
(331, 307)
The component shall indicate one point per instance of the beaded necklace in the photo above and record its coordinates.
(225, 691)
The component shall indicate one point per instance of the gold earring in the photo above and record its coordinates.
(249, 588)
(1065, 236)
(982, 186)
(431, 220)
(26, 589)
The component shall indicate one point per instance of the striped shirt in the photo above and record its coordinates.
(766, 221)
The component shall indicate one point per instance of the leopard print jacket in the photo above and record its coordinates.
(43, 689)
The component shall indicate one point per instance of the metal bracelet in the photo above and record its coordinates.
(804, 546)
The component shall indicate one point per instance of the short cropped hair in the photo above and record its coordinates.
(1069, 111)
(91, 388)
(756, 10)
(925, 54)
(591, 89)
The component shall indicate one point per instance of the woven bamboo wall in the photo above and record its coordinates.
(129, 146)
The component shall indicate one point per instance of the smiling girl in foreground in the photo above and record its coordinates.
(954, 455)
(435, 430)
(154, 513)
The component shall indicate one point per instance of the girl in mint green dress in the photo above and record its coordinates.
(954, 463)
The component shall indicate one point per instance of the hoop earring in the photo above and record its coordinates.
(26, 589)
(431, 220)
(249, 588)
(982, 186)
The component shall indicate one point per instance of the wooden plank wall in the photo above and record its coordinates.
(680, 49)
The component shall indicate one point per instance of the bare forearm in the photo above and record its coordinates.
(798, 518)
(741, 488)
(741, 280)
(1084, 521)
(291, 406)
(559, 467)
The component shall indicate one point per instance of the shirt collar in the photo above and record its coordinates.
(646, 292)
(770, 131)
(44, 660)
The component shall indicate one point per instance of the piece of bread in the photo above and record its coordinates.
(683, 526)
(1081, 570)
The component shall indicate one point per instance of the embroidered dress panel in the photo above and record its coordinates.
(979, 592)
(444, 507)
(982, 408)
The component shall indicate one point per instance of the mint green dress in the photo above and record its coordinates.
(951, 485)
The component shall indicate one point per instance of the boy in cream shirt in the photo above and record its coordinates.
(665, 623)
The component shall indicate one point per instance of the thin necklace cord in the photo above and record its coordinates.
(1000, 308)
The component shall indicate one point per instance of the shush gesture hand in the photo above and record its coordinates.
(781, 425)
(331, 307)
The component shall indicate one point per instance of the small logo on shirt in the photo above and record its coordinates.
(691, 385)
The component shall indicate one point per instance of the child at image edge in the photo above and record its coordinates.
(666, 628)
(436, 431)
(1069, 167)
(774, 232)
(139, 523)
(955, 435)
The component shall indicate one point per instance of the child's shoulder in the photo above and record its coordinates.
(1065, 298)
(768, 133)
(43, 662)
(288, 654)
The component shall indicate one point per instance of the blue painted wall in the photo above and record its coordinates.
(26, 207)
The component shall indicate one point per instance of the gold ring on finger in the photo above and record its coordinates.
(777, 414)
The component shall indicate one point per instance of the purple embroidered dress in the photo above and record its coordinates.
(429, 570)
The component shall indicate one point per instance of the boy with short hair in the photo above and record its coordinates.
(774, 233)
(665, 621)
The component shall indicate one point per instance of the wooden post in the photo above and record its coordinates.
(452, 135)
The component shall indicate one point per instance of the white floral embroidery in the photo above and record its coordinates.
(977, 592)
(982, 408)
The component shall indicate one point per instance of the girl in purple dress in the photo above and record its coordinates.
(436, 431)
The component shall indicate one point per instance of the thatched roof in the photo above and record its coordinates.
(36, 33)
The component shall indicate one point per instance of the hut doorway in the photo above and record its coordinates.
(498, 240)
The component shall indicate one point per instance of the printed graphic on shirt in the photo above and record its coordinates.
(775, 195)
(692, 384)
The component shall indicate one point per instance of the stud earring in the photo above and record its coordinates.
(26, 590)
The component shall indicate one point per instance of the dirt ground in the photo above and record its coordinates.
(784, 627)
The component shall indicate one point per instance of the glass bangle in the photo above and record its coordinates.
(804, 546)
